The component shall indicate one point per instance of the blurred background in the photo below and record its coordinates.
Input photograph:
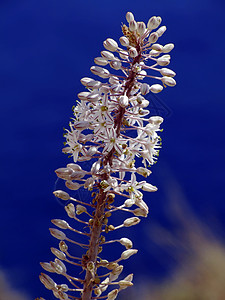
(46, 47)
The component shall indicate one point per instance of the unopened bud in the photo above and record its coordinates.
(72, 185)
(153, 37)
(139, 212)
(47, 281)
(107, 55)
(131, 221)
(147, 187)
(133, 26)
(167, 48)
(59, 254)
(124, 284)
(64, 173)
(143, 171)
(61, 195)
(126, 242)
(80, 209)
(161, 30)
(129, 17)
(168, 81)
(112, 295)
(133, 52)
(101, 72)
(47, 267)
(129, 202)
(154, 22)
(123, 101)
(86, 80)
(57, 234)
(116, 65)
(163, 60)
(156, 88)
(167, 72)
(156, 120)
(124, 41)
(95, 167)
(100, 61)
(145, 88)
(128, 253)
(60, 223)
(70, 209)
(63, 246)
(141, 28)
(110, 45)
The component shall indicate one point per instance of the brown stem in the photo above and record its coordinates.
(94, 244)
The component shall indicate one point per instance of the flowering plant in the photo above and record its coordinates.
(111, 127)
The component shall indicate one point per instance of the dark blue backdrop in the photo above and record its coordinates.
(46, 46)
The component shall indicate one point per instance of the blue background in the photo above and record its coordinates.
(46, 47)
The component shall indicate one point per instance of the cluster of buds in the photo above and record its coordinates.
(111, 127)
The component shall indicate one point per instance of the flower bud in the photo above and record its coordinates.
(141, 28)
(59, 266)
(57, 234)
(161, 30)
(100, 61)
(64, 173)
(61, 195)
(143, 171)
(59, 254)
(74, 186)
(167, 48)
(123, 54)
(131, 221)
(124, 41)
(129, 202)
(60, 223)
(128, 253)
(89, 183)
(70, 209)
(154, 22)
(156, 120)
(114, 80)
(81, 125)
(153, 37)
(47, 281)
(80, 209)
(126, 242)
(147, 187)
(83, 95)
(124, 284)
(140, 212)
(129, 17)
(101, 72)
(157, 47)
(154, 53)
(123, 101)
(145, 88)
(133, 52)
(129, 277)
(167, 72)
(156, 88)
(112, 295)
(92, 151)
(116, 65)
(86, 80)
(133, 26)
(168, 81)
(163, 60)
(107, 55)
(47, 267)
(110, 45)
(74, 167)
(63, 246)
